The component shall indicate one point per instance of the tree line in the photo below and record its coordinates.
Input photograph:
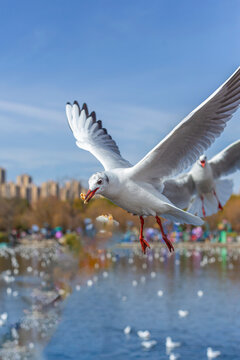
(18, 214)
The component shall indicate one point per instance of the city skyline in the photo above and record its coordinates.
(25, 188)
(61, 183)
(59, 179)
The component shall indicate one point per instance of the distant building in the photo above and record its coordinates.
(24, 188)
(2, 176)
(25, 192)
(64, 194)
(71, 190)
(9, 190)
(50, 188)
(24, 180)
(35, 193)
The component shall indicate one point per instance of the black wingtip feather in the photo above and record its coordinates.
(93, 115)
(76, 103)
(112, 146)
(84, 107)
(100, 124)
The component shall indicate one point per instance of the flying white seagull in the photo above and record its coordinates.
(212, 354)
(171, 344)
(138, 189)
(202, 191)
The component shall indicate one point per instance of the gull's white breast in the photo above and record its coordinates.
(203, 178)
(136, 198)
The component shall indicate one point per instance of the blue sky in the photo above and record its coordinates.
(141, 65)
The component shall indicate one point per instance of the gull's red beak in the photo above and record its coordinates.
(203, 163)
(89, 195)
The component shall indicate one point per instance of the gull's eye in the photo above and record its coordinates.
(99, 182)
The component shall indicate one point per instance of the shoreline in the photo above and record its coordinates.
(182, 245)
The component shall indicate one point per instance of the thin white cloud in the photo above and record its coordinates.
(30, 111)
(136, 118)
(12, 124)
(34, 158)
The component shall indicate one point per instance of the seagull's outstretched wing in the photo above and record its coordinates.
(180, 190)
(187, 141)
(91, 136)
(227, 161)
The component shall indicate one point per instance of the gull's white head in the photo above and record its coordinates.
(202, 161)
(98, 182)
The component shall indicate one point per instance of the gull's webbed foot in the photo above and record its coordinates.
(164, 236)
(220, 206)
(168, 243)
(144, 244)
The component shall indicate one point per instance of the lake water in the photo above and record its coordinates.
(125, 291)
(28, 298)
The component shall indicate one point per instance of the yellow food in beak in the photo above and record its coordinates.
(90, 194)
(82, 195)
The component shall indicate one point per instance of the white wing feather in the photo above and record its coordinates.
(187, 141)
(91, 136)
(227, 161)
(180, 190)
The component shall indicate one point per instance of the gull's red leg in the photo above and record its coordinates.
(164, 236)
(203, 210)
(143, 242)
(219, 204)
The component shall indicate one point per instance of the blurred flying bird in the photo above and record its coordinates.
(127, 330)
(211, 354)
(149, 344)
(183, 313)
(171, 344)
(201, 190)
(173, 356)
(144, 334)
(138, 189)
(4, 316)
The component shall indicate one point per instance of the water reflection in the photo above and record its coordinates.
(28, 297)
(112, 289)
(118, 289)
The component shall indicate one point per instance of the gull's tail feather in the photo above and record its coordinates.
(210, 203)
(183, 217)
(224, 189)
(197, 208)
